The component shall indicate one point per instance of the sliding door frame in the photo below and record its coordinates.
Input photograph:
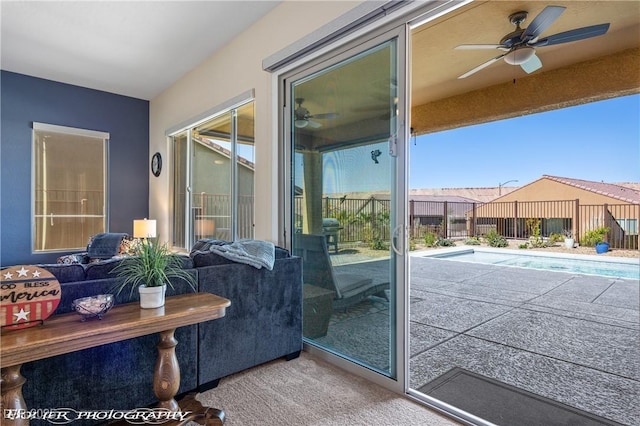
(229, 107)
(397, 143)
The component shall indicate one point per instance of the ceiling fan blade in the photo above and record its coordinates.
(481, 66)
(541, 22)
(313, 124)
(573, 35)
(328, 115)
(533, 64)
(480, 46)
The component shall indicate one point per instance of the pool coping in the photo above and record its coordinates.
(448, 251)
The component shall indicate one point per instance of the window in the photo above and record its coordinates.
(69, 186)
(213, 177)
(629, 226)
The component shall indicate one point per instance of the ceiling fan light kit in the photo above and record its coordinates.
(520, 45)
(303, 118)
(519, 56)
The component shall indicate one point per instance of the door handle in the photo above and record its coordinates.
(394, 233)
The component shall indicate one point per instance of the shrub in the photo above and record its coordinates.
(495, 240)
(593, 237)
(523, 246)
(378, 244)
(556, 238)
(533, 227)
(473, 241)
(430, 239)
(537, 242)
(445, 242)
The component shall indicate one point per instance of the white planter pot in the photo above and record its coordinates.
(151, 297)
(569, 242)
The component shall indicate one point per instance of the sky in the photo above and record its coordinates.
(599, 141)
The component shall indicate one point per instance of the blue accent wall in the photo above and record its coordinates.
(27, 99)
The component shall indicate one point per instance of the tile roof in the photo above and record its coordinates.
(441, 198)
(477, 194)
(619, 192)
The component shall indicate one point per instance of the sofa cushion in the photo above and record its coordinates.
(102, 269)
(65, 273)
(105, 245)
(282, 253)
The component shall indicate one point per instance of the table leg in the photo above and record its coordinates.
(199, 414)
(11, 384)
(166, 382)
(166, 378)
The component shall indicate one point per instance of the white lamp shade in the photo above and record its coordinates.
(144, 228)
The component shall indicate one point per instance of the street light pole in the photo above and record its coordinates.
(500, 185)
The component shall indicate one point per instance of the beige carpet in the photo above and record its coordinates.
(309, 391)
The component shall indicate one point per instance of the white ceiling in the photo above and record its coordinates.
(132, 48)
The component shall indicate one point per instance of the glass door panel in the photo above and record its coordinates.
(245, 170)
(213, 177)
(211, 203)
(343, 123)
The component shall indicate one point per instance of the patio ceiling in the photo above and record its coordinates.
(573, 73)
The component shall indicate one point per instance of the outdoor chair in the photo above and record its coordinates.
(317, 270)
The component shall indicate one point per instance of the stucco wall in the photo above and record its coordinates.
(236, 69)
(548, 190)
(27, 99)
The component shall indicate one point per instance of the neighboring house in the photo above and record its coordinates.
(211, 203)
(560, 204)
(446, 214)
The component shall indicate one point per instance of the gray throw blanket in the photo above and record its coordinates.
(104, 246)
(256, 253)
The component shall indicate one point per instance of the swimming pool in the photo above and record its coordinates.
(590, 265)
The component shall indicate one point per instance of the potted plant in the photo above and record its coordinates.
(602, 247)
(150, 270)
(569, 241)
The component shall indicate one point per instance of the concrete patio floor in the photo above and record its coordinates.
(569, 337)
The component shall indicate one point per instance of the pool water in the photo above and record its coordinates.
(561, 264)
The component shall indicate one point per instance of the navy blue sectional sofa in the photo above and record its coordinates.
(263, 323)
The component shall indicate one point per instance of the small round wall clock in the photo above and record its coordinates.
(156, 164)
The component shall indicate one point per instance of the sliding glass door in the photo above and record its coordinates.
(214, 178)
(346, 167)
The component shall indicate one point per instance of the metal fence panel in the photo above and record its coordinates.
(460, 220)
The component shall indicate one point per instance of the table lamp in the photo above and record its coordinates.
(144, 228)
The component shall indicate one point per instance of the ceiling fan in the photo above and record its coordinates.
(303, 117)
(520, 45)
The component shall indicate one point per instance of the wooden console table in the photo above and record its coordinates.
(65, 333)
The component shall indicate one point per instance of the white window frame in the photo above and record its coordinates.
(186, 126)
(64, 130)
